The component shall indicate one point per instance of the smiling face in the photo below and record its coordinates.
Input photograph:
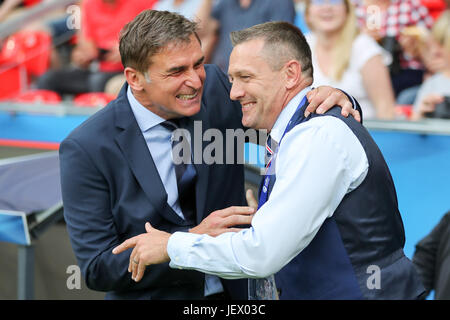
(438, 53)
(326, 16)
(176, 75)
(258, 87)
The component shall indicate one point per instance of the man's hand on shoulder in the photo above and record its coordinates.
(323, 98)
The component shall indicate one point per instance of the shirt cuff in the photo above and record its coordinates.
(178, 248)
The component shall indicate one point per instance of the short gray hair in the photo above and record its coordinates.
(282, 42)
(149, 32)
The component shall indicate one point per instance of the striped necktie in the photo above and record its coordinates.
(271, 149)
(185, 172)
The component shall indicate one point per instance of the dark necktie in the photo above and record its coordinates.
(184, 171)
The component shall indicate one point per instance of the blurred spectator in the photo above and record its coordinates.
(300, 16)
(347, 59)
(385, 21)
(95, 58)
(432, 260)
(187, 8)
(436, 55)
(225, 16)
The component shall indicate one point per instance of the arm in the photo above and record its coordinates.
(208, 28)
(6, 8)
(84, 52)
(91, 225)
(426, 250)
(152, 246)
(377, 82)
(256, 252)
(426, 105)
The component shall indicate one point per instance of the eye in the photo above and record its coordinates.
(176, 73)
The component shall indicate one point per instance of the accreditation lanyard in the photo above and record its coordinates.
(264, 194)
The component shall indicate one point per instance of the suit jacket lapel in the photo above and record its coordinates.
(134, 148)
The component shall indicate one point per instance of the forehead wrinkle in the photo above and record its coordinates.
(246, 59)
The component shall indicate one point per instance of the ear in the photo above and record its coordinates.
(134, 78)
(293, 73)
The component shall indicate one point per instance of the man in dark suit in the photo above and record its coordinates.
(117, 172)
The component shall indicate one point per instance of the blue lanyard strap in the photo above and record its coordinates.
(264, 193)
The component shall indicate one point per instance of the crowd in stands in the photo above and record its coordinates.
(389, 54)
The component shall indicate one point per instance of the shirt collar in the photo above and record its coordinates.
(286, 114)
(144, 117)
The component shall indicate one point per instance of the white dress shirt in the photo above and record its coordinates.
(317, 163)
(159, 145)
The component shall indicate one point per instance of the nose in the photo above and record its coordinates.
(236, 92)
(195, 79)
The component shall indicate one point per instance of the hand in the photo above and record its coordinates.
(113, 55)
(148, 248)
(83, 54)
(324, 98)
(80, 58)
(221, 221)
(251, 200)
(429, 103)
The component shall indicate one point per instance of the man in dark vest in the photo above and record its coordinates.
(327, 231)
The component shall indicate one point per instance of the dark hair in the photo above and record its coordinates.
(149, 32)
(282, 42)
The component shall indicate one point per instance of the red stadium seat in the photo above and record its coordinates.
(12, 79)
(93, 99)
(23, 55)
(404, 111)
(435, 7)
(43, 96)
(32, 48)
(36, 47)
(13, 75)
(29, 3)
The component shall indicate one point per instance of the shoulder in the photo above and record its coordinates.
(435, 81)
(364, 48)
(216, 98)
(363, 39)
(216, 82)
(327, 126)
(95, 126)
(363, 43)
(213, 71)
(323, 138)
(439, 78)
(326, 132)
(310, 38)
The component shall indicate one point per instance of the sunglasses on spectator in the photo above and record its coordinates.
(324, 2)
